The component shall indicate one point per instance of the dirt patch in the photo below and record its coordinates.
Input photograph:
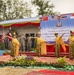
(15, 71)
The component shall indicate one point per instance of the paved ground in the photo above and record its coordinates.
(32, 71)
(16, 71)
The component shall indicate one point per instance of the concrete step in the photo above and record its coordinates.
(49, 54)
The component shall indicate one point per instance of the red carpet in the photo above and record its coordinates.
(50, 72)
(49, 54)
(5, 58)
(35, 73)
(53, 72)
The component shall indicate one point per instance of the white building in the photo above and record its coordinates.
(25, 26)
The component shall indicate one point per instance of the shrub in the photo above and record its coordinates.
(22, 61)
(29, 58)
(61, 63)
(1, 63)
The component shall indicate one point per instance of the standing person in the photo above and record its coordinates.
(71, 45)
(22, 42)
(59, 41)
(9, 40)
(26, 42)
(6, 42)
(19, 41)
(33, 42)
(0, 42)
(18, 37)
(3, 40)
(14, 46)
(40, 48)
(29, 43)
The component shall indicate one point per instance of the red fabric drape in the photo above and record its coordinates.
(22, 24)
(52, 48)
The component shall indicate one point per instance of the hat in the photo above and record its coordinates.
(39, 33)
(13, 35)
(73, 32)
(55, 33)
(70, 31)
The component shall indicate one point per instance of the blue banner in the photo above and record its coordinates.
(63, 23)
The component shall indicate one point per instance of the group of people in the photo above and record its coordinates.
(41, 45)
(26, 42)
(59, 42)
(19, 43)
(15, 45)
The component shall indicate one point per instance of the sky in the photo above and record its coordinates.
(62, 6)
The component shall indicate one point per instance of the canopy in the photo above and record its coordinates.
(20, 22)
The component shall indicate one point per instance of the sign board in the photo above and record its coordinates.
(61, 24)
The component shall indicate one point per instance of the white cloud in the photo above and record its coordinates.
(64, 6)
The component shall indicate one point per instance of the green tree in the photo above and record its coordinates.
(14, 9)
(44, 7)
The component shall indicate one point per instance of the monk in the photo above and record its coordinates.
(40, 45)
(59, 41)
(14, 46)
(71, 45)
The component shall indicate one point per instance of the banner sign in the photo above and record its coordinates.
(61, 24)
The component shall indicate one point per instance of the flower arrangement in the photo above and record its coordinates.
(29, 58)
(29, 61)
(61, 63)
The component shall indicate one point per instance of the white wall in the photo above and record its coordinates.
(24, 30)
(5, 30)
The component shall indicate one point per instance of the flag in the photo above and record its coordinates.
(64, 16)
(71, 16)
(45, 18)
(10, 35)
(54, 17)
(3, 36)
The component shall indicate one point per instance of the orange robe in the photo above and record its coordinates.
(43, 48)
(71, 47)
(61, 42)
(15, 47)
(70, 39)
(41, 43)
